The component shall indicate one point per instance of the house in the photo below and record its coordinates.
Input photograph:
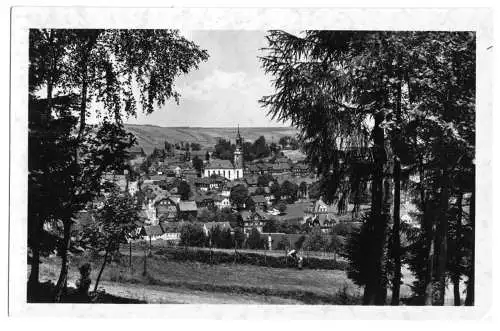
(319, 210)
(280, 168)
(222, 202)
(252, 220)
(259, 200)
(205, 200)
(253, 169)
(171, 231)
(216, 182)
(202, 184)
(268, 195)
(300, 169)
(186, 209)
(151, 232)
(166, 209)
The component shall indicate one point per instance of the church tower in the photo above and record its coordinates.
(238, 155)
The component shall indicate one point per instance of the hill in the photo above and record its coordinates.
(150, 136)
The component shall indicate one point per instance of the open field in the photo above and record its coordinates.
(192, 282)
(150, 136)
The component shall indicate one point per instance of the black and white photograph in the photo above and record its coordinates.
(271, 166)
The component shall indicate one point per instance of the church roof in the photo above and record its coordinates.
(219, 164)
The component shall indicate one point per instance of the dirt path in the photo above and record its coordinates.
(162, 294)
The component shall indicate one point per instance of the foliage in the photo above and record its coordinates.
(281, 207)
(254, 241)
(239, 195)
(198, 164)
(289, 190)
(184, 190)
(192, 234)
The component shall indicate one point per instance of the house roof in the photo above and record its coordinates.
(253, 167)
(169, 227)
(153, 230)
(301, 166)
(188, 206)
(219, 164)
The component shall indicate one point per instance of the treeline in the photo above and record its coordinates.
(391, 110)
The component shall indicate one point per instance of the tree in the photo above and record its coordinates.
(100, 67)
(115, 224)
(239, 237)
(316, 241)
(254, 241)
(284, 243)
(263, 180)
(289, 190)
(198, 165)
(281, 207)
(270, 226)
(239, 195)
(184, 190)
(415, 103)
(275, 190)
(192, 234)
(303, 189)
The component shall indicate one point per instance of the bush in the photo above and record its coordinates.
(217, 257)
(192, 234)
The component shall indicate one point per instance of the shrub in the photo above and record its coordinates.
(218, 257)
(192, 234)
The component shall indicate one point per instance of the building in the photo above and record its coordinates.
(259, 201)
(225, 168)
(252, 220)
(300, 169)
(187, 209)
(222, 202)
(321, 213)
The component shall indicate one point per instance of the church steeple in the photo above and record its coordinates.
(239, 140)
(238, 153)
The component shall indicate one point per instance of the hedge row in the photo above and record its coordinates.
(217, 257)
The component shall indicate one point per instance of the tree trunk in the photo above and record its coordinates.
(396, 242)
(442, 242)
(376, 288)
(33, 281)
(458, 255)
(63, 275)
(102, 269)
(469, 299)
(130, 254)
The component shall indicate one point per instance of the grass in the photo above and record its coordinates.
(261, 283)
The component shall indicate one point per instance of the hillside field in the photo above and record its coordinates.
(150, 136)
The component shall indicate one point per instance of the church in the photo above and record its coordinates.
(225, 168)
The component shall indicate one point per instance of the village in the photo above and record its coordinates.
(269, 195)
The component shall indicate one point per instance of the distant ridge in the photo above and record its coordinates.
(151, 136)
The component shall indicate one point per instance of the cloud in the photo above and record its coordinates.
(221, 84)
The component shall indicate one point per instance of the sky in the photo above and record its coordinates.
(225, 90)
